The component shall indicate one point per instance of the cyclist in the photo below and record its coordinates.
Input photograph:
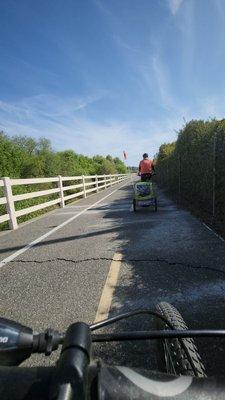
(146, 167)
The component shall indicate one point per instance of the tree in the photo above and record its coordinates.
(109, 158)
(44, 146)
(120, 166)
(106, 168)
(11, 156)
(26, 143)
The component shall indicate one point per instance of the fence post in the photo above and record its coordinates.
(105, 180)
(96, 183)
(110, 180)
(84, 188)
(61, 194)
(10, 203)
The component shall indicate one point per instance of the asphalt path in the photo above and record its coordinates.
(166, 256)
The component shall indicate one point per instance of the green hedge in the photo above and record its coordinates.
(185, 167)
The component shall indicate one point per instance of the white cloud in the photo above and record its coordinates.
(49, 105)
(162, 79)
(65, 124)
(174, 5)
(68, 125)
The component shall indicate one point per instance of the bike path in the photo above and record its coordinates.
(168, 255)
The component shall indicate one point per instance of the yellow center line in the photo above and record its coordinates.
(109, 288)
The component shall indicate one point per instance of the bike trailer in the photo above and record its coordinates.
(144, 195)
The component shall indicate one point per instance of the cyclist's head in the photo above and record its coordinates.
(145, 155)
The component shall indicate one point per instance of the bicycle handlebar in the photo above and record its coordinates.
(107, 383)
(74, 376)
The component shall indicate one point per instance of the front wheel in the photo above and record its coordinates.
(174, 356)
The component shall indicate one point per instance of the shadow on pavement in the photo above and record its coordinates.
(184, 265)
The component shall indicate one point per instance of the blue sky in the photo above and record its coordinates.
(103, 76)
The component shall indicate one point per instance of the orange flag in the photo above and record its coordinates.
(125, 155)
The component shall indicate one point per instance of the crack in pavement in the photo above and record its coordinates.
(124, 260)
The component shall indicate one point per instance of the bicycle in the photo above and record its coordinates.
(181, 372)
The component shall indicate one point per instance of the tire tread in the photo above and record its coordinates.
(183, 366)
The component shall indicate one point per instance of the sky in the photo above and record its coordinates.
(103, 76)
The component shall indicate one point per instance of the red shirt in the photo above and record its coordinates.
(146, 166)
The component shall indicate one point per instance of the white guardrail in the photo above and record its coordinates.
(82, 185)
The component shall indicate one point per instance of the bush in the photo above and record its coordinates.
(185, 167)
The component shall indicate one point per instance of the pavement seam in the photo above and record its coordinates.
(124, 261)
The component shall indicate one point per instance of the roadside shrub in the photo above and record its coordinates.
(185, 167)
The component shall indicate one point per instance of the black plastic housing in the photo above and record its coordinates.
(16, 342)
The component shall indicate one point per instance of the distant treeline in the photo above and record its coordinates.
(193, 167)
(25, 157)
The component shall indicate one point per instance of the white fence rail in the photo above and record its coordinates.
(79, 185)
